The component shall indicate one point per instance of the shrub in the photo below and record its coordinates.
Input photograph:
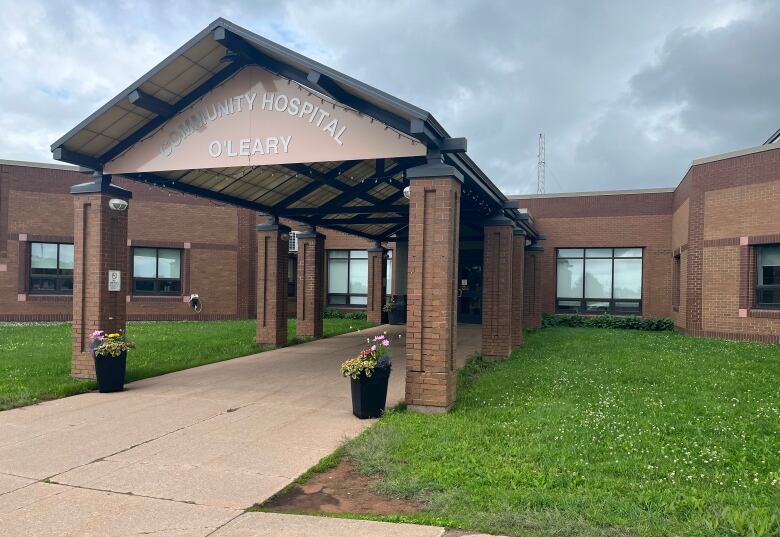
(336, 314)
(628, 322)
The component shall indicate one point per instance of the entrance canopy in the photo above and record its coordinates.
(239, 119)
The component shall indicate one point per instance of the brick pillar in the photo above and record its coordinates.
(100, 245)
(377, 283)
(518, 262)
(431, 328)
(272, 259)
(532, 290)
(311, 283)
(246, 268)
(497, 288)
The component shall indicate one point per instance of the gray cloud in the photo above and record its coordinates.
(627, 93)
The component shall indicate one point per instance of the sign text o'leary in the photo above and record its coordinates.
(269, 102)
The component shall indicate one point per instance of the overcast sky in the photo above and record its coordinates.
(627, 93)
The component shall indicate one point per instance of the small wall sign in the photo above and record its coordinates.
(114, 280)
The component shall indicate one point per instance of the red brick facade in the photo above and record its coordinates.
(496, 288)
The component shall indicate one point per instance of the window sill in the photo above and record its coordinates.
(156, 298)
(41, 297)
(764, 313)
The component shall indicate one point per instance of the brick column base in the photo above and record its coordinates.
(377, 283)
(431, 329)
(497, 289)
(518, 263)
(100, 245)
(311, 281)
(272, 261)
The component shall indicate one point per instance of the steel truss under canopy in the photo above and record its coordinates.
(363, 196)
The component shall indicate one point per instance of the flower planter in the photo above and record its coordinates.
(369, 394)
(397, 315)
(110, 371)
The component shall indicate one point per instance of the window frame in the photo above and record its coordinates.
(347, 296)
(157, 279)
(58, 277)
(758, 287)
(581, 308)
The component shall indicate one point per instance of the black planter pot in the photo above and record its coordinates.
(369, 394)
(110, 372)
(397, 315)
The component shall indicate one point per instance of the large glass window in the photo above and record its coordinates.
(768, 277)
(347, 277)
(156, 271)
(51, 268)
(599, 280)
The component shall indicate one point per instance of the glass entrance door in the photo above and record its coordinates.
(470, 286)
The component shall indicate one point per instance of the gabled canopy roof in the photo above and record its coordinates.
(362, 195)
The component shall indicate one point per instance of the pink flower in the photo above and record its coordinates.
(97, 334)
(379, 338)
(373, 348)
(385, 343)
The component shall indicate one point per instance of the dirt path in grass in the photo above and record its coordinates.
(340, 490)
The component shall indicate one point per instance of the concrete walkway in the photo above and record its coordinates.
(186, 453)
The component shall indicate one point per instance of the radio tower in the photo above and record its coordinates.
(540, 166)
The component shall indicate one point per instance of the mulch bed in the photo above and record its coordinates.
(340, 490)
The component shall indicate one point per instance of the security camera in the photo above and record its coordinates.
(117, 204)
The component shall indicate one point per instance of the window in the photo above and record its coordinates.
(768, 276)
(599, 280)
(51, 268)
(292, 275)
(156, 271)
(347, 277)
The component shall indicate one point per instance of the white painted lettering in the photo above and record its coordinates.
(306, 109)
(237, 99)
(283, 106)
(243, 147)
(250, 100)
(338, 135)
(323, 115)
(286, 142)
(331, 127)
(215, 148)
(229, 148)
(271, 145)
(258, 147)
(295, 104)
(268, 101)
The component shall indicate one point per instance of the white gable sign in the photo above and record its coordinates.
(258, 118)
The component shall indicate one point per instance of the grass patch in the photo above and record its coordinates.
(596, 432)
(35, 364)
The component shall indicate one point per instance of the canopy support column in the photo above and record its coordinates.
(311, 282)
(518, 264)
(431, 329)
(497, 288)
(272, 260)
(377, 283)
(100, 246)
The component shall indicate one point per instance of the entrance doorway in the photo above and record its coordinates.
(470, 286)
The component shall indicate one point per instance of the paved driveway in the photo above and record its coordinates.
(184, 453)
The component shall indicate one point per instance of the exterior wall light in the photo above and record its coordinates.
(407, 192)
(117, 204)
(528, 242)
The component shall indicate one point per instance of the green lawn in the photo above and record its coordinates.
(596, 432)
(35, 358)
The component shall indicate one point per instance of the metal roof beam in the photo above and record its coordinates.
(361, 219)
(181, 104)
(326, 179)
(151, 104)
(365, 209)
(66, 155)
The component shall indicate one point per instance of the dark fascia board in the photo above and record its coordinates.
(772, 139)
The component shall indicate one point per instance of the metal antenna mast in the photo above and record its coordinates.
(540, 166)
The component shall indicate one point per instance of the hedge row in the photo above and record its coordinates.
(351, 315)
(629, 322)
